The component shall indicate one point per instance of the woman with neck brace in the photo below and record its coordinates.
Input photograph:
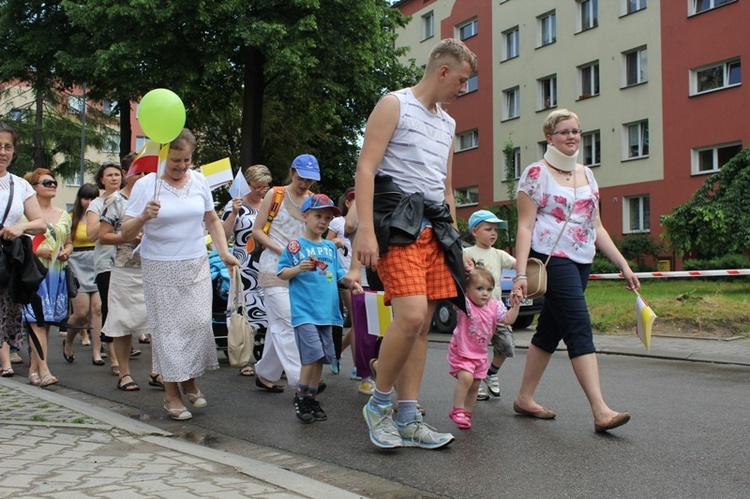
(550, 192)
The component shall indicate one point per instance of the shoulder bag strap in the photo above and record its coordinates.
(278, 197)
(567, 219)
(238, 294)
(10, 202)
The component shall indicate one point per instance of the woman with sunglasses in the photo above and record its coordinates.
(238, 220)
(17, 200)
(53, 248)
(86, 306)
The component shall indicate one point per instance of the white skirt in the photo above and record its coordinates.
(126, 307)
(178, 301)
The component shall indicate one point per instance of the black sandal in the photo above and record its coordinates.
(130, 386)
(155, 381)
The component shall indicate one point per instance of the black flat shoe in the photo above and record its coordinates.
(272, 388)
(99, 362)
(68, 358)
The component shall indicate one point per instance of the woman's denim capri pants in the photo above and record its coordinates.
(565, 315)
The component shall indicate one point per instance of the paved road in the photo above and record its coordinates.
(688, 435)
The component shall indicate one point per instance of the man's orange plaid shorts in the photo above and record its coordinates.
(416, 269)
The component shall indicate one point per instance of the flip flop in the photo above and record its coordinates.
(145, 340)
(247, 371)
(7, 373)
(115, 370)
(34, 379)
(48, 380)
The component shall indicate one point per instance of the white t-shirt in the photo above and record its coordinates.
(178, 232)
(337, 227)
(22, 191)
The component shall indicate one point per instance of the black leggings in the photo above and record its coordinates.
(102, 284)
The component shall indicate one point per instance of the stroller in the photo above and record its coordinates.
(220, 282)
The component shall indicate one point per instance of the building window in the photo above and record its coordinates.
(698, 6)
(112, 143)
(75, 180)
(510, 41)
(589, 78)
(109, 107)
(512, 104)
(140, 141)
(467, 29)
(18, 114)
(75, 104)
(637, 140)
(428, 25)
(547, 28)
(467, 140)
(715, 77)
(711, 159)
(541, 148)
(516, 163)
(547, 92)
(588, 14)
(636, 66)
(466, 196)
(630, 6)
(472, 84)
(636, 214)
(591, 148)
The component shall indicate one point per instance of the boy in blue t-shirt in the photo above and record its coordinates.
(311, 265)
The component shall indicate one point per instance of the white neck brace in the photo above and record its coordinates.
(559, 160)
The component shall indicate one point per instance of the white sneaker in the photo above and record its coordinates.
(482, 394)
(367, 386)
(419, 434)
(493, 384)
(383, 431)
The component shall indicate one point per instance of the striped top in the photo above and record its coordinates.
(417, 155)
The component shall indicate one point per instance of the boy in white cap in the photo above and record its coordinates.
(484, 227)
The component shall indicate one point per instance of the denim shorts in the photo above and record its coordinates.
(565, 315)
(315, 343)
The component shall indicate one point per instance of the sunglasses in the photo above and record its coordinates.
(49, 183)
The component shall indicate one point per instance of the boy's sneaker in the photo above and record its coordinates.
(353, 374)
(317, 411)
(367, 387)
(419, 434)
(334, 367)
(493, 384)
(302, 408)
(482, 394)
(383, 431)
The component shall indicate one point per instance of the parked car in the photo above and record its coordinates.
(444, 320)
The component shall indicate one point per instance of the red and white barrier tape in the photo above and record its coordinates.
(682, 273)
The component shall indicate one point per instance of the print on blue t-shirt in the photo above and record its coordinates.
(314, 295)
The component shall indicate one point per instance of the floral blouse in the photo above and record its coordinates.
(554, 202)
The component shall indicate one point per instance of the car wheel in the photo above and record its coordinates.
(444, 320)
(523, 322)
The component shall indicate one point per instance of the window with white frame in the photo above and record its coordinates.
(711, 159)
(591, 153)
(511, 103)
(698, 6)
(541, 148)
(636, 214)
(111, 143)
(516, 162)
(636, 140)
(74, 180)
(466, 196)
(109, 107)
(472, 84)
(428, 25)
(636, 66)
(75, 104)
(715, 77)
(467, 29)
(140, 141)
(547, 28)
(547, 92)
(588, 75)
(510, 43)
(630, 6)
(588, 14)
(467, 140)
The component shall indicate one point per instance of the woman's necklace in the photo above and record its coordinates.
(562, 173)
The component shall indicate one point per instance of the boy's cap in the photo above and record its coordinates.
(482, 216)
(320, 202)
(307, 166)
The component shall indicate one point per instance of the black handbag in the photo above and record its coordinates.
(72, 281)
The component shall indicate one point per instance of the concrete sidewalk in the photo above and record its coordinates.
(78, 450)
(52, 445)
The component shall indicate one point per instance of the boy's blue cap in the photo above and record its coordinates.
(320, 202)
(307, 166)
(482, 216)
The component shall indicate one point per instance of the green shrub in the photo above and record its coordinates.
(735, 261)
(601, 265)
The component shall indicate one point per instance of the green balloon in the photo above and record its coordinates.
(161, 115)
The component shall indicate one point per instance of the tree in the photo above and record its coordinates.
(508, 211)
(716, 221)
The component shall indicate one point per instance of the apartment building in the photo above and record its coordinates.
(657, 86)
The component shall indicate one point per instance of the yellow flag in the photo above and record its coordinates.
(218, 173)
(379, 315)
(644, 320)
